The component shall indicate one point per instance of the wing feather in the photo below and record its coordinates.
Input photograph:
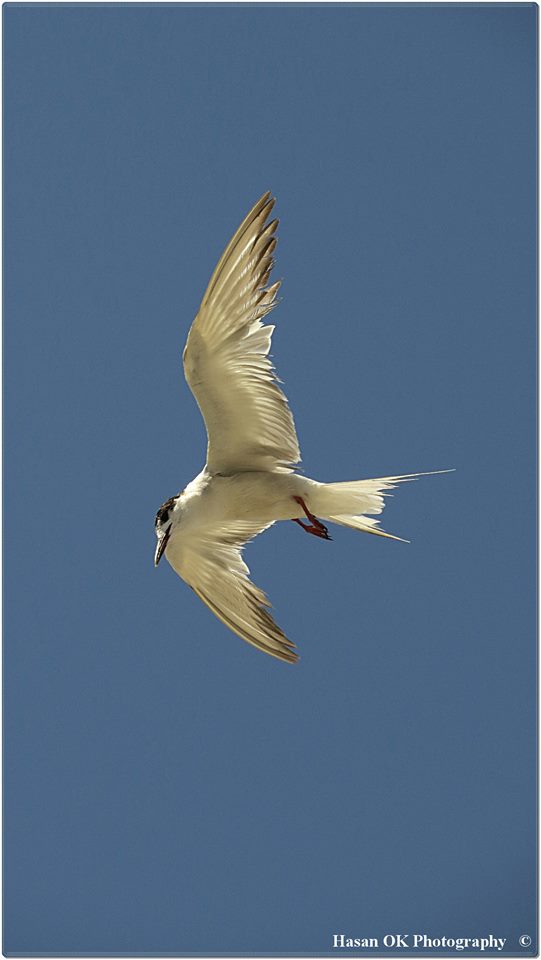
(213, 566)
(226, 364)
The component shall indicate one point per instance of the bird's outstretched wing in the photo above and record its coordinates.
(212, 565)
(226, 363)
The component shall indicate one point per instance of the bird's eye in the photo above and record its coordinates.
(162, 516)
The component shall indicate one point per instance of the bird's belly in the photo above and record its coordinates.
(264, 497)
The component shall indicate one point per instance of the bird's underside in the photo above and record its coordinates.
(249, 480)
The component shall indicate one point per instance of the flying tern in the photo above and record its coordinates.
(249, 480)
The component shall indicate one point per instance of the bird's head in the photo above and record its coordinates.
(163, 524)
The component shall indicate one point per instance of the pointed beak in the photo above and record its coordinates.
(161, 545)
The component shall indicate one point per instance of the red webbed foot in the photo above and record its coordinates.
(315, 527)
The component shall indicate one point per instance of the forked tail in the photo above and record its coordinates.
(348, 503)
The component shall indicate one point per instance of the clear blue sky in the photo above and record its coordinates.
(169, 788)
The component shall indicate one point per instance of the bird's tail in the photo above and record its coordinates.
(348, 503)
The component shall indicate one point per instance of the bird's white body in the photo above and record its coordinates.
(265, 497)
(255, 496)
(249, 480)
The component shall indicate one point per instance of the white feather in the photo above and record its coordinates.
(249, 424)
(248, 481)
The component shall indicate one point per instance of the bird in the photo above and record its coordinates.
(251, 477)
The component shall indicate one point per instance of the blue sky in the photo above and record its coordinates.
(169, 789)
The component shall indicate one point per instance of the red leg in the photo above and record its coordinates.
(319, 531)
(315, 527)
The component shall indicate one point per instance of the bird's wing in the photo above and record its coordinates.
(212, 565)
(226, 363)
